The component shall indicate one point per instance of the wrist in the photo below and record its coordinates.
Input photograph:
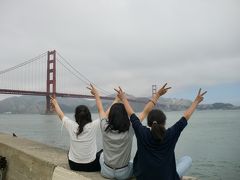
(158, 94)
(97, 95)
(155, 98)
(124, 99)
(153, 101)
(196, 102)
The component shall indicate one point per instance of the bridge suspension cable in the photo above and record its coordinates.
(30, 75)
(78, 74)
(24, 63)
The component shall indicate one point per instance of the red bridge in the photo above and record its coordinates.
(38, 77)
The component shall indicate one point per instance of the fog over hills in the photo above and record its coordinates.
(36, 105)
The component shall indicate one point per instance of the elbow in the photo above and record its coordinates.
(61, 116)
(187, 116)
(101, 111)
(129, 113)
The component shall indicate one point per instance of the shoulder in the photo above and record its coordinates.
(135, 121)
(182, 122)
(134, 117)
(103, 123)
(68, 123)
(139, 129)
(103, 120)
(178, 127)
(67, 120)
(96, 122)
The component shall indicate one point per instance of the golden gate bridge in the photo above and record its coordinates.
(38, 77)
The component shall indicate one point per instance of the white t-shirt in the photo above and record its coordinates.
(83, 148)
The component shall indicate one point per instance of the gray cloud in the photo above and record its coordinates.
(132, 43)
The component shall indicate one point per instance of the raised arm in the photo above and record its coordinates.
(95, 93)
(149, 106)
(116, 100)
(124, 99)
(57, 108)
(188, 113)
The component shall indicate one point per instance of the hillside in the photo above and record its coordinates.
(36, 105)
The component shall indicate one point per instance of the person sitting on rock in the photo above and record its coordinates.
(83, 155)
(155, 157)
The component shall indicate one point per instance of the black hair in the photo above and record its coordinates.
(118, 118)
(156, 120)
(82, 117)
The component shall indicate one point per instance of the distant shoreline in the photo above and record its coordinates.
(198, 110)
(37, 105)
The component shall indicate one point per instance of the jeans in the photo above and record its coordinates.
(183, 165)
(123, 173)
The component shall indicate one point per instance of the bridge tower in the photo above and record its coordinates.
(51, 79)
(154, 89)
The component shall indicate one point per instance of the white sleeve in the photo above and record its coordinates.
(103, 124)
(96, 124)
(68, 123)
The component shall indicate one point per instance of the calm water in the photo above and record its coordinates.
(212, 139)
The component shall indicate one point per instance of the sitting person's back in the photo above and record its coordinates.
(83, 147)
(83, 155)
(117, 135)
(155, 159)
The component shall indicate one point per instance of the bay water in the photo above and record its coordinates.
(212, 139)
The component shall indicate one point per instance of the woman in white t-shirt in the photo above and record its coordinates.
(83, 155)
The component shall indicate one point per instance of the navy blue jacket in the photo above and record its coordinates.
(156, 160)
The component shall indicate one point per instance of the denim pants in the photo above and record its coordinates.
(123, 173)
(183, 165)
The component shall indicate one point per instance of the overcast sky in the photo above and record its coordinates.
(132, 43)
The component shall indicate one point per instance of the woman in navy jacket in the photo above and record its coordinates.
(155, 157)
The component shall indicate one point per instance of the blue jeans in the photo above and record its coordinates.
(123, 173)
(183, 165)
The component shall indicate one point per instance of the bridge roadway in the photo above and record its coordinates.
(41, 93)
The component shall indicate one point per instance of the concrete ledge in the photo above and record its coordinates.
(64, 174)
(32, 160)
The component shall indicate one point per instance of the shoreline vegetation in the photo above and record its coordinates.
(36, 105)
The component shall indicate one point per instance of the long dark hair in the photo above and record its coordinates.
(156, 120)
(118, 118)
(82, 117)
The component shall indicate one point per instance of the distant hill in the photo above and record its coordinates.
(36, 105)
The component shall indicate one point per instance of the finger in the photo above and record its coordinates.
(203, 93)
(91, 85)
(199, 91)
(117, 90)
(164, 85)
(120, 89)
(168, 88)
(51, 97)
(89, 88)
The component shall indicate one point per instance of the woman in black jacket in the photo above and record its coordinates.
(155, 157)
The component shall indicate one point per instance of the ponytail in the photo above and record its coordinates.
(156, 120)
(82, 117)
(158, 131)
